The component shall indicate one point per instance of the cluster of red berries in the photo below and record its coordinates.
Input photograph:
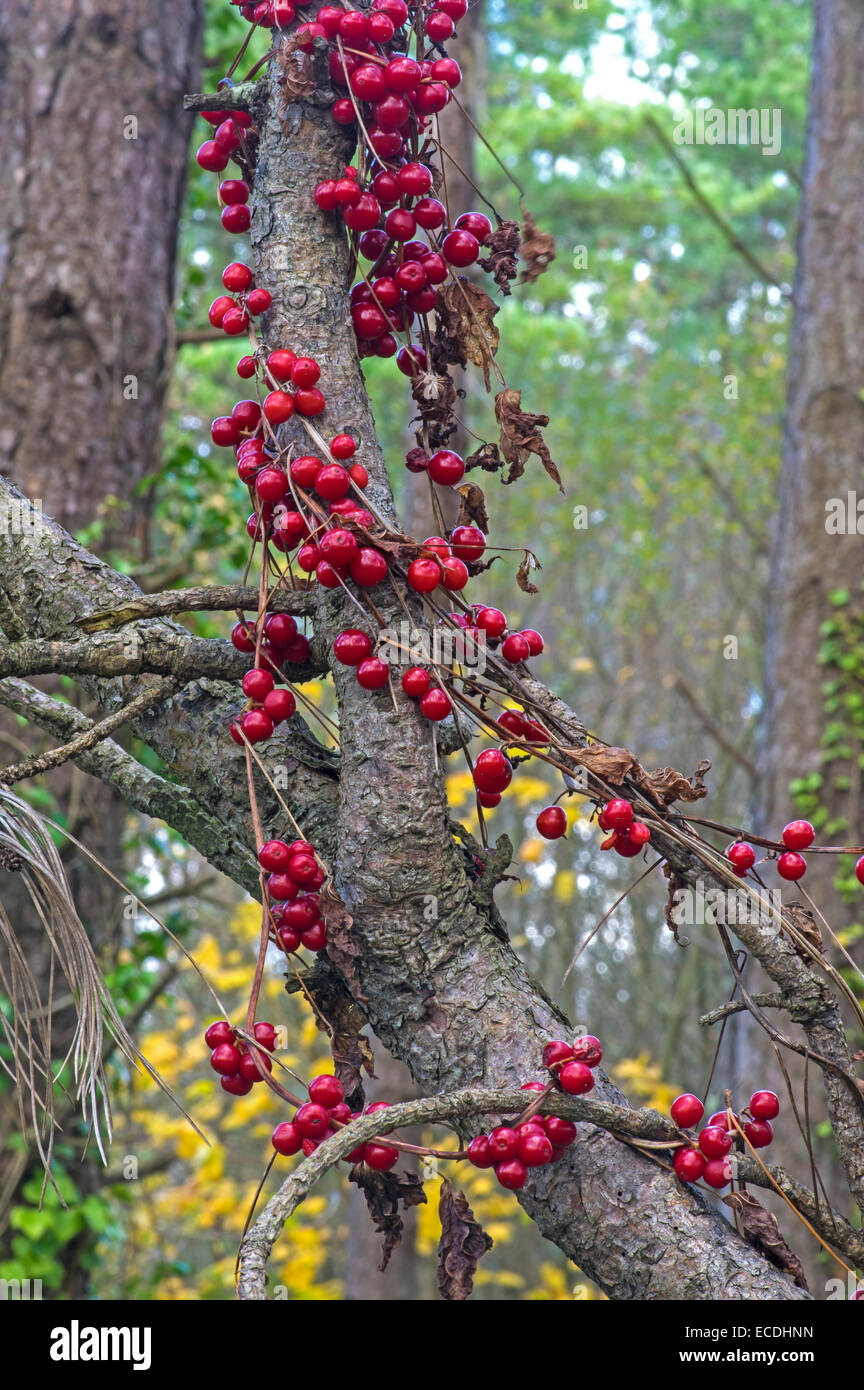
(629, 836)
(237, 1066)
(269, 703)
(791, 864)
(324, 1113)
(294, 876)
(709, 1157)
(541, 1139)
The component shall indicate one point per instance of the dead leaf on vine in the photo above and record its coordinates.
(462, 1245)
(435, 397)
(805, 923)
(612, 764)
(538, 249)
(466, 312)
(383, 1193)
(502, 261)
(338, 1015)
(523, 574)
(342, 948)
(521, 437)
(761, 1230)
(667, 785)
(472, 507)
(488, 457)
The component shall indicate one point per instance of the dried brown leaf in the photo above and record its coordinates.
(462, 1245)
(466, 313)
(667, 785)
(528, 563)
(521, 437)
(472, 507)
(435, 397)
(502, 260)
(488, 457)
(383, 1193)
(761, 1230)
(804, 921)
(538, 249)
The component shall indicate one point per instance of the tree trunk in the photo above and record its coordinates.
(823, 453)
(96, 148)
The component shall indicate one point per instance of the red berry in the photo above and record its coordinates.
(467, 543)
(477, 223)
(552, 822)
(424, 575)
(266, 1035)
(243, 637)
(798, 834)
(278, 407)
(312, 1121)
(224, 431)
(492, 771)
(315, 937)
(534, 640)
(791, 866)
(380, 1157)
(491, 621)
(280, 363)
(237, 276)
(759, 1132)
(256, 725)
(332, 481)
(212, 157)
(218, 309)
(372, 673)
(439, 26)
(478, 1152)
(859, 869)
(305, 469)
(446, 468)
(368, 568)
(576, 1078)
(280, 704)
(403, 74)
(286, 1139)
(460, 248)
(435, 704)
(689, 1165)
(233, 191)
(281, 887)
(456, 9)
(274, 856)
(587, 1049)
(503, 1143)
(514, 648)
(235, 1085)
(741, 856)
(511, 1174)
(327, 1091)
(764, 1105)
(305, 372)
(488, 800)
(249, 1066)
(714, 1141)
(339, 547)
(360, 478)
(687, 1110)
(534, 1149)
(225, 1058)
(718, 1172)
(352, 646)
(219, 1032)
(557, 1052)
(455, 574)
(617, 814)
(561, 1132)
(309, 402)
(416, 681)
(343, 446)
(236, 218)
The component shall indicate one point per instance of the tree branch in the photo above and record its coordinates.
(210, 598)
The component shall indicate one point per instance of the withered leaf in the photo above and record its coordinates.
(761, 1230)
(488, 456)
(612, 764)
(342, 949)
(538, 249)
(472, 507)
(667, 785)
(383, 1193)
(502, 261)
(435, 396)
(521, 437)
(462, 1245)
(804, 921)
(466, 312)
(528, 563)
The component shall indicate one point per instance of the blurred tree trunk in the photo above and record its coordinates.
(95, 144)
(823, 454)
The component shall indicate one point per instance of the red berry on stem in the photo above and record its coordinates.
(446, 468)
(576, 1078)
(327, 1091)
(798, 834)
(380, 1157)
(587, 1049)
(687, 1110)
(557, 1052)
(741, 856)
(372, 673)
(416, 681)
(552, 822)
(514, 648)
(689, 1165)
(764, 1105)
(352, 646)
(759, 1132)
(435, 704)
(478, 1152)
(225, 1058)
(791, 866)
(219, 1032)
(718, 1172)
(714, 1141)
(511, 1174)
